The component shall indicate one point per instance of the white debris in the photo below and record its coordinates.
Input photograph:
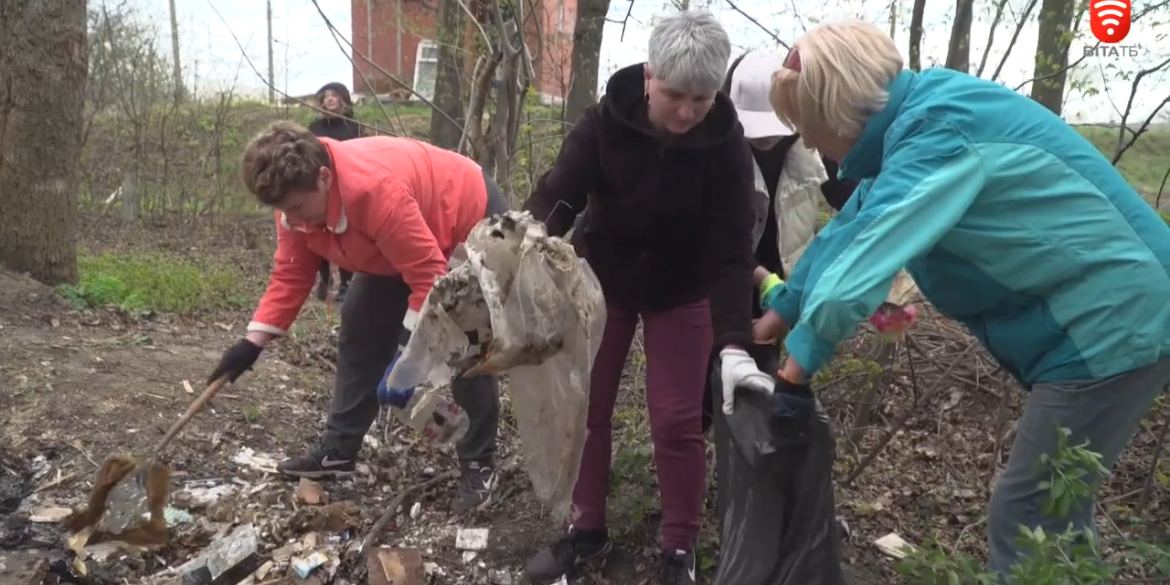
(471, 539)
(257, 461)
(894, 546)
(49, 515)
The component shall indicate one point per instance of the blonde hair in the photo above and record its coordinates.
(844, 69)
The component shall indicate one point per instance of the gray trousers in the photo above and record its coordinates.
(371, 321)
(1106, 412)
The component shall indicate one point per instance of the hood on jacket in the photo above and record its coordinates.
(340, 89)
(625, 100)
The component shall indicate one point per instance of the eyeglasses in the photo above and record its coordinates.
(792, 60)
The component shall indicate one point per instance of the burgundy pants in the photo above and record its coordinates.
(678, 344)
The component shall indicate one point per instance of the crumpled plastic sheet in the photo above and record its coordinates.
(538, 312)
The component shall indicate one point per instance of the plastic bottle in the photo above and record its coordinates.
(437, 417)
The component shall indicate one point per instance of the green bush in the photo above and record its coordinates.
(142, 281)
(1069, 558)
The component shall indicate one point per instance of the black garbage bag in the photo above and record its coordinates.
(775, 500)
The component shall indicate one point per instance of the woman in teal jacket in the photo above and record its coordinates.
(1009, 221)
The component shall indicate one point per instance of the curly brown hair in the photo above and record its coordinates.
(283, 158)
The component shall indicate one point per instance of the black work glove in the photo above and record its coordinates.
(238, 359)
(793, 408)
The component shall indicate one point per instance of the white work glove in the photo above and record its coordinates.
(739, 371)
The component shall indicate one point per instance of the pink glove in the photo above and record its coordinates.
(893, 321)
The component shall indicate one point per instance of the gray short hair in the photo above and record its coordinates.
(689, 51)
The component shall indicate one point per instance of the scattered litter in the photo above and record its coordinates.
(310, 492)
(304, 566)
(415, 510)
(474, 539)
(46, 515)
(396, 566)
(894, 546)
(257, 461)
(23, 568)
(499, 577)
(226, 560)
(175, 516)
(198, 498)
(469, 555)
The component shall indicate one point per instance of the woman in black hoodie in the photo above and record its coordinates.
(662, 171)
(335, 121)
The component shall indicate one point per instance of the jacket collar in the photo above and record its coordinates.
(865, 158)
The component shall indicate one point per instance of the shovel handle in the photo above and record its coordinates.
(212, 389)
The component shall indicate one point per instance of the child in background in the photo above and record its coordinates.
(335, 121)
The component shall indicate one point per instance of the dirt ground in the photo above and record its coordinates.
(79, 385)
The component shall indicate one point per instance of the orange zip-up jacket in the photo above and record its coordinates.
(397, 206)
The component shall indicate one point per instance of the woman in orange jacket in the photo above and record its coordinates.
(392, 210)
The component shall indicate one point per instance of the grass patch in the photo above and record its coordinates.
(1144, 164)
(145, 281)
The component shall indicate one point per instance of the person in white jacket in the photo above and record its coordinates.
(791, 180)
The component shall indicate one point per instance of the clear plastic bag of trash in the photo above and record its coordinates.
(538, 313)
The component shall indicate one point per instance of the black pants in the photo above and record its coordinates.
(371, 320)
(324, 273)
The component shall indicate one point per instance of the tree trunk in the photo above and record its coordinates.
(959, 50)
(448, 89)
(1052, 45)
(177, 65)
(42, 66)
(586, 57)
(916, 15)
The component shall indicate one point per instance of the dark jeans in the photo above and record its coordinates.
(371, 320)
(324, 274)
(677, 344)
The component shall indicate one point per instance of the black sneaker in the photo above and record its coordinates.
(678, 568)
(320, 463)
(475, 486)
(568, 553)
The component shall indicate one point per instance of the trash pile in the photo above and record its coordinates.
(538, 313)
(250, 528)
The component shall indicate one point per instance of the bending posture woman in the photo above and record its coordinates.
(393, 210)
(662, 171)
(1010, 223)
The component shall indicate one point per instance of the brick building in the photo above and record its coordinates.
(398, 36)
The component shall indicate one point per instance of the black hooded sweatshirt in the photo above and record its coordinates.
(336, 127)
(669, 220)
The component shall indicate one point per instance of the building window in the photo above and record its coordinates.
(426, 68)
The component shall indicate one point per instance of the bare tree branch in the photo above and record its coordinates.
(1052, 74)
(624, 21)
(1015, 37)
(753, 20)
(268, 83)
(1151, 8)
(380, 69)
(365, 79)
(999, 6)
(1122, 145)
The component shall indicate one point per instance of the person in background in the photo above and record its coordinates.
(662, 171)
(335, 120)
(393, 210)
(789, 183)
(1010, 222)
